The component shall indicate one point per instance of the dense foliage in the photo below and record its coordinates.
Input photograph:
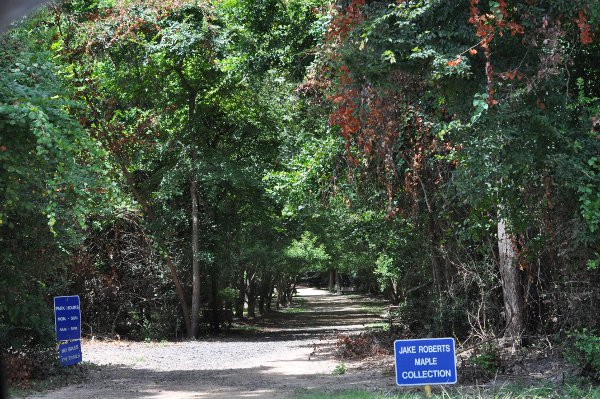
(482, 136)
(179, 163)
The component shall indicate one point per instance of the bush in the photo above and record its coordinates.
(339, 369)
(28, 363)
(586, 351)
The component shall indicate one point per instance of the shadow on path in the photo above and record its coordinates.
(259, 382)
(321, 312)
(290, 353)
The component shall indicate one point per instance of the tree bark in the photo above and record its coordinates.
(251, 292)
(216, 304)
(270, 296)
(395, 291)
(511, 285)
(279, 294)
(195, 262)
(239, 305)
(194, 197)
(261, 303)
(331, 280)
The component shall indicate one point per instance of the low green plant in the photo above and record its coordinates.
(355, 395)
(228, 295)
(339, 369)
(378, 326)
(294, 309)
(487, 359)
(585, 351)
(245, 329)
(299, 306)
(374, 308)
(581, 390)
(510, 391)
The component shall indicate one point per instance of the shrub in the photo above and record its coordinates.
(586, 351)
(339, 369)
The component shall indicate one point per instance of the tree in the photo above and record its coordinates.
(465, 122)
(52, 178)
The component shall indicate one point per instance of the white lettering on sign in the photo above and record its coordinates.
(426, 361)
(407, 349)
(434, 348)
(426, 374)
(60, 308)
(62, 319)
(74, 307)
(73, 318)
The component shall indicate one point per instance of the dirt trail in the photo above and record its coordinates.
(291, 354)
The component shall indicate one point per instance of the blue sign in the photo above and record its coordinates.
(69, 353)
(429, 361)
(67, 317)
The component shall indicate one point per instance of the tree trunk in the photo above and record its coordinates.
(216, 304)
(195, 262)
(270, 296)
(279, 295)
(511, 285)
(395, 291)
(194, 198)
(239, 305)
(331, 280)
(251, 294)
(435, 261)
(293, 291)
(251, 305)
(179, 290)
(261, 304)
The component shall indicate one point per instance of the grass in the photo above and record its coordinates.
(138, 360)
(298, 306)
(573, 391)
(245, 329)
(345, 395)
(374, 308)
(378, 326)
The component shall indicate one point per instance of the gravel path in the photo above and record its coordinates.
(291, 354)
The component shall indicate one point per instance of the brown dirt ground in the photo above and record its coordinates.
(292, 352)
(282, 355)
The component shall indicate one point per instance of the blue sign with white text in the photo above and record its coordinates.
(67, 316)
(429, 361)
(69, 353)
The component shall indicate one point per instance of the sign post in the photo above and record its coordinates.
(428, 391)
(67, 319)
(425, 362)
